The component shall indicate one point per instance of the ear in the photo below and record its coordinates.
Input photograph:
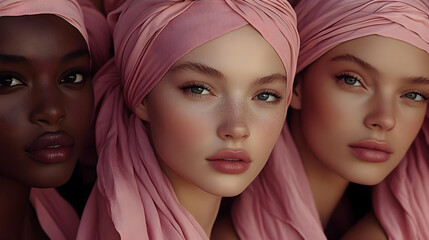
(141, 111)
(295, 102)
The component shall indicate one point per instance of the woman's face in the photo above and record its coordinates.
(360, 106)
(217, 113)
(46, 99)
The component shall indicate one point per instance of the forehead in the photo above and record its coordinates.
(30, 35)
(386, 54)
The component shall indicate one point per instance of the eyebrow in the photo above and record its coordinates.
(75, 54)
(352, 58)
(199, 68)
(13, 58)
(272, 78)
(21, 59)
(206, 70)
(418, 80)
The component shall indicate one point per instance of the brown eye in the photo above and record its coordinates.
(72, 78)
(9, 81)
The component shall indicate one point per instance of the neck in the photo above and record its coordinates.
(17, 218)
(203, 206)
(326, 185)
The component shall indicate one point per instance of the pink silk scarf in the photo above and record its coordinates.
(280, 198)
(56, 216)
(132, 197)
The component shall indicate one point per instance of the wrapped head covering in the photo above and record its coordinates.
(100, 39)
(280, 198)
(56, 216)
(132, 197)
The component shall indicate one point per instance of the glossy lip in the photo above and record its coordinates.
(371, 150)
(51, 147)
(230, 161)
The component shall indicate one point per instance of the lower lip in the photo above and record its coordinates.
(229, 167)
(52, 155)
(370, 155)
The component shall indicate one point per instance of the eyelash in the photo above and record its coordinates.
(187, 88)
(345, 75)
(423, 95)
(6, 75)
(272, 93)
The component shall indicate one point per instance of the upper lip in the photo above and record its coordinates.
(230, 154)
(373, 144)
(51, 139)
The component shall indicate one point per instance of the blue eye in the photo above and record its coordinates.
(195, 88)
(415, 96)
(349, 79)
(268, 96)
(199, 90)
(8, 80)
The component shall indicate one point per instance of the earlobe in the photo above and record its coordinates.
(141, 112)
(297, 93)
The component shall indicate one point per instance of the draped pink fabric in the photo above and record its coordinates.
(280, 198)
(99, 36)
(56, 216)
(132, 198)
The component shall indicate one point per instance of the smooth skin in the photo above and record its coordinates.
(228, 93)
(371, 88)
(45, 87)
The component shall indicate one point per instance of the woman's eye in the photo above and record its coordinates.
(415, 96)
(196, 89)
(73, 78)
(9, 81)
(268, 97)
(349, 80)
(199, 90)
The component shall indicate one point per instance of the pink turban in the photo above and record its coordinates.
(280, 198)
(132, 197)
(100, 39)
(56, 216)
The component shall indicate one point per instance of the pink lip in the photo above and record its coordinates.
(51, 147)
(371, 150)
(230, 161)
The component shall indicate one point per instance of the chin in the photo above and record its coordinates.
(223, 190)
(368, 179)
(53, 177)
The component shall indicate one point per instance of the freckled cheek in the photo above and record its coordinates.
(182, 128)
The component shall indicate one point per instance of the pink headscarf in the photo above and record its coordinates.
(280, 198)
(132, 198)
(100, 39)
(56, 216)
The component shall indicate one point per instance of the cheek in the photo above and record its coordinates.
(183, 129)
(408, 125)
(80, 112)
(265, 128)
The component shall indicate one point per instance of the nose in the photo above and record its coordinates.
(48, 106)
(234, 125)
(381, 114)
